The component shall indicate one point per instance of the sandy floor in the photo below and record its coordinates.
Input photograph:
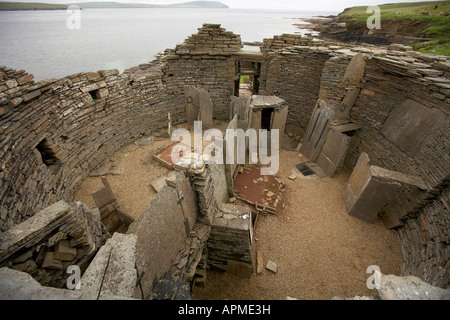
(320, 250)
(132, 188)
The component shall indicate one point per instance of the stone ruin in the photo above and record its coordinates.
(380, 111)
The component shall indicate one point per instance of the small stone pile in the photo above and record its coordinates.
(200, 176)
(53, 239)
(284, 40)
(230, 239)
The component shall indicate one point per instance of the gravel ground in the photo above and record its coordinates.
(132, 188)
(319, 249)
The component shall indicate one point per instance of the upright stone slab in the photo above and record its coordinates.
(192, 105)
(279, 121)
(334, 150)
(317, 130)
(240, 106)
(205, 114)
(367, 190)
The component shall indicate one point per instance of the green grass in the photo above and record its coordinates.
(440, 47)
(242, 79)
(403, 8)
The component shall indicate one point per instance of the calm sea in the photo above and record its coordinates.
(41, 43)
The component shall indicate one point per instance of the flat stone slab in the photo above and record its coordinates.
(159, 183)
(271, 266)
(112, 272)
(16, 285)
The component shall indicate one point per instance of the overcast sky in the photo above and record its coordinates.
(325, 5)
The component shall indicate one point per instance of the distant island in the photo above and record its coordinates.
(14, 6)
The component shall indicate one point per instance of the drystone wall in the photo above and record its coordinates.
(424, 241)
(295, 78)
(204, 60)
(55, 132)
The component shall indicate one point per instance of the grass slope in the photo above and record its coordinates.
(438, 26)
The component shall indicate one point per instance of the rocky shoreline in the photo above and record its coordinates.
(339, 29)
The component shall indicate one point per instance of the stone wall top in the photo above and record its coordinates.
(211, 39)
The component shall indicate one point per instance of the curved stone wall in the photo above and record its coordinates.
(55, 132)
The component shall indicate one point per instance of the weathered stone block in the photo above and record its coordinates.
(102, 93)
(25, 79)
(50, 262)
(15, 102)
(367, 192)
(31, 95)
(93, 75)
(63, 251)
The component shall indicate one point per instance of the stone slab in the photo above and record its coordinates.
(205, 109)
(159, 183)
(259, 262)
(112, 271)
(271, 266)
(33, 229)
(383, 173)
(365, 193)
(317, 131)
(16, 285)
(411, 124)
(333, 153)
(104, 196)
(120, 276)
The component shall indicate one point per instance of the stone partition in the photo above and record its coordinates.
(402, 109)
(161, 230)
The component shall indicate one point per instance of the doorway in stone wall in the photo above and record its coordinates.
(266, 118)
(247, 78)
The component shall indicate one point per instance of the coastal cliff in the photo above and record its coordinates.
(423, 25)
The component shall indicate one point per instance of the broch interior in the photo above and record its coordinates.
(85, 178)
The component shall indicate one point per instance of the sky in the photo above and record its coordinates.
(316, 5)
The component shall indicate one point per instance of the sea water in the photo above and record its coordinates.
(41, 42)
